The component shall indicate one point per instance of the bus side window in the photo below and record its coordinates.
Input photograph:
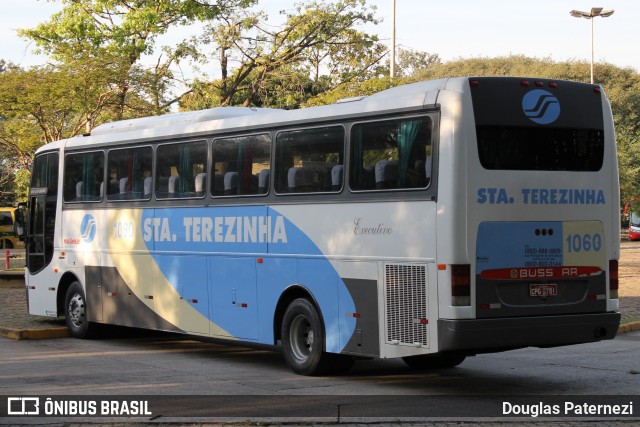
(177, 166)
(83, 177)
(129, 174)
(391, 154)
(238, 163)
(306, 159)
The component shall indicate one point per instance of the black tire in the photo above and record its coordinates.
(75, 312)
(435, 361)
(302, 342)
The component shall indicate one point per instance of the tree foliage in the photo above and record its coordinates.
(128, 28)
(121, 32)
(316, 48)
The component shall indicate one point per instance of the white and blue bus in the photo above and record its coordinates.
(430, 222)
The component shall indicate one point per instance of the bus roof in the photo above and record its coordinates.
(197, 123)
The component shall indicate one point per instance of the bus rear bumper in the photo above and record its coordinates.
(487, 335)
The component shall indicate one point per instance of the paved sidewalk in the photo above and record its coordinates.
(15, 321)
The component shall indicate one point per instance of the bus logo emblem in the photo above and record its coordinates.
(541, 107)
(88, 228)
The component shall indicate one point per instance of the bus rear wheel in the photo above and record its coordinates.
(75, 312)
(435, 361)
(302, 342)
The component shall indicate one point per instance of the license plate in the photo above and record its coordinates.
(548, 290)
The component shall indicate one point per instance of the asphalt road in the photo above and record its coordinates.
(188, 380)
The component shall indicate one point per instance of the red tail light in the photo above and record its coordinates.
(613, 279)
(461, 284)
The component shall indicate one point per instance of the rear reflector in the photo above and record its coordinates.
(613, 279)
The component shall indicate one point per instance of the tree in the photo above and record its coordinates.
(124, 31)
(263, 65)
(409, 61)
(48, 103)
(16, 138)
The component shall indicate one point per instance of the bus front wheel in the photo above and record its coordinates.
(75, 312)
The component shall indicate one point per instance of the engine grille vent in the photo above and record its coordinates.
(406, 304)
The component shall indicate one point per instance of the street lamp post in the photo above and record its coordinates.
(595, 11)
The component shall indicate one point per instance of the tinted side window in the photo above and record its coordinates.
(391, 154)
(45, 173)
(178, 167)
(129, 174)
(83, 177)
(310, 160)
(241, 166)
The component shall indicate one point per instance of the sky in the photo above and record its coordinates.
(452, 28)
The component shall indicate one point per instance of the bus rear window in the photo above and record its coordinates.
(542, 149)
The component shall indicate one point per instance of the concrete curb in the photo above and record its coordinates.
(33, 334)
(629, 327)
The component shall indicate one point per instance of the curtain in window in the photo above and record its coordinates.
(184, 169)
(242, 152)
(136, 176)
(357, 158)
(407, 133)
(88, 175)
(283, 163)
(130, 169)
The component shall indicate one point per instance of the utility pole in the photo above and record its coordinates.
(392, 72)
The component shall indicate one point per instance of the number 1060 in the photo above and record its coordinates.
(584, 242)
